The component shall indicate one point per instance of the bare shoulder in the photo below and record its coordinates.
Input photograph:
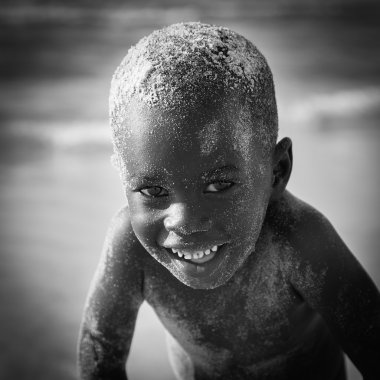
(120, 269)
(323, 267)
(121, 243)
(305, 229)
(295, 218)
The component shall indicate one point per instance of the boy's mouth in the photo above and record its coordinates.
(196, 256)
(198, 263)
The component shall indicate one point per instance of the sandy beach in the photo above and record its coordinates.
(58, 189)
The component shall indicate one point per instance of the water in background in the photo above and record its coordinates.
(58, 190)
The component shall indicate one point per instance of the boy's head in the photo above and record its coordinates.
(194, 123)
(182, 66)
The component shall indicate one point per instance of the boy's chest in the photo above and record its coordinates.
(250, 317)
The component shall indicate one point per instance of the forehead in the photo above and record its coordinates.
(211, 134)
(207, 122)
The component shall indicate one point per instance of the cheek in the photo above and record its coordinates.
(245, 214)
(146, 223)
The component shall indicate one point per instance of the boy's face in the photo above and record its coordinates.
(197, 187)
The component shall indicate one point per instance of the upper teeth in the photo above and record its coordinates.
(194, 255)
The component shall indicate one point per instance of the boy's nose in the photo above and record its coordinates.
(184, 219)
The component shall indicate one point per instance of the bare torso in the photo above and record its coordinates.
(256, 326)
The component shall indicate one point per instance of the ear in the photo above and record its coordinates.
(282, 167)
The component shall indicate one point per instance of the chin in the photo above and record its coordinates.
(206, 283)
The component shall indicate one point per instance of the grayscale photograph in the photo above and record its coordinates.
(189, 190)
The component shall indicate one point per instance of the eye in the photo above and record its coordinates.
(154, 191)
(216, 187)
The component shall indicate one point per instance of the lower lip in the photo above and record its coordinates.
(200, 269)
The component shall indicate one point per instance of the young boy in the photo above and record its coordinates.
(249, 281)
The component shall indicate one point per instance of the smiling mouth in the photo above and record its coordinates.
(196, 256)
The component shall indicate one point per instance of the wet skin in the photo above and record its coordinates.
(279, 299)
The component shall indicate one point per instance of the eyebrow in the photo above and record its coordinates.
(145, 178)
(221, 170)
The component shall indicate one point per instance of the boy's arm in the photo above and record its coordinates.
(333, 282)
(112, 305)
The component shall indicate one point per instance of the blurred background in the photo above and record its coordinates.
(58, 190)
